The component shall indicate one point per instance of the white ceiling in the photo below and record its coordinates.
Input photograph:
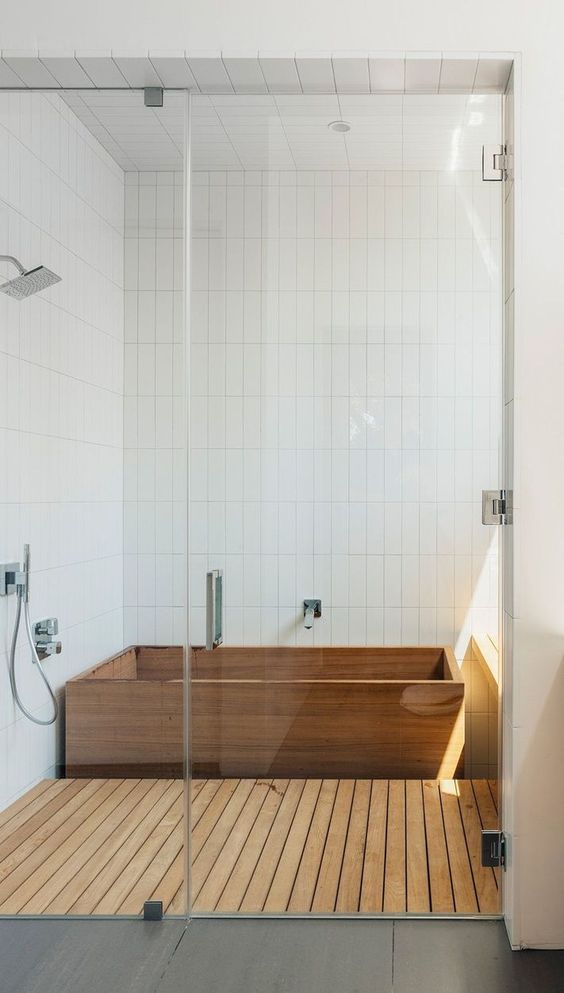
(261, 72)
(415, 131)
(387, 132)
(137, 137)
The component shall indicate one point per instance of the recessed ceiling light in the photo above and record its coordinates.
(340, 126)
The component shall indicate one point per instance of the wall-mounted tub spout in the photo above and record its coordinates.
(312, 608)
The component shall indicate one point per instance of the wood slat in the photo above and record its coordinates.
(172, 885)
(205, 825)
(485, 804)
(372, 891)
(117, 865)
(442, 899)
(286, 870)
(206, 857)
(306, 879)
(487, 811)
(348, 896)
(465, 901)
(178, 902)
(86, 842)
(106, 846)
(92, 868)
(31, 854)
(395, 871)
(213, 887)
(418, 901)
(153, 874)
(325, 895)
(43, 813)
(119, 890)
(494, 790)
(245, 866)
(484, 879)
(258, 888)
(23, 802)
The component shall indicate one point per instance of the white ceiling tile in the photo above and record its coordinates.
(422, 73)
(457, 75)
(351, 73)
(101, 68)
(173, 69)
(245, 73)
(316, 73)
(280, 73)
(28, 67)
(387, 75)
(137, 68)
(210, 73)
(492, 74)
(65, 68)
(7, 76)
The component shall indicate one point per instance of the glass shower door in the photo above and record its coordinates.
(345, 356)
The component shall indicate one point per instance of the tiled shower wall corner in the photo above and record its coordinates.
(345, 404)
(154, 432)
(61, 409)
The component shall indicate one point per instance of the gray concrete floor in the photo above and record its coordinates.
(267, 956)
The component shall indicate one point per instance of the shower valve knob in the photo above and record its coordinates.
(44, 633)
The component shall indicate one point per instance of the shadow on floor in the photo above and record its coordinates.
(267, 956)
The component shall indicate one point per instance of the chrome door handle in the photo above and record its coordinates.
(214, 609)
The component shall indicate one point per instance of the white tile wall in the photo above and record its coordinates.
(154, 434)
(61, 408)
(344, 414)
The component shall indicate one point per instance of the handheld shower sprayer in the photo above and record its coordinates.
(14, 579)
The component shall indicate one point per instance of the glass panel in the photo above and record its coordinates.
(92, 803)
(345, 417)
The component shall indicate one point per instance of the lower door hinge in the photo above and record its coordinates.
(497, 506)
(493, 849)
(495, 163)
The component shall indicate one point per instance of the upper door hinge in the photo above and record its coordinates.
(495, 163)
(497, 507)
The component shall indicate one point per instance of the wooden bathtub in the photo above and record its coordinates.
(287, 712)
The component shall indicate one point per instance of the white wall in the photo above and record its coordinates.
(61, 375)
(534, 728)
(154, 433)
(345, 403)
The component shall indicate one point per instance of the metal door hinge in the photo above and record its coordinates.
(493, 849)
(497, 506)
(153, 96)
(494, 163)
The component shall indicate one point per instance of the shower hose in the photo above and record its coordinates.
(35, 658)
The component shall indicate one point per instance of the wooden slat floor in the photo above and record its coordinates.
(104, 846)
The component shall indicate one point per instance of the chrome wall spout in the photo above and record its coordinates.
(312, 608)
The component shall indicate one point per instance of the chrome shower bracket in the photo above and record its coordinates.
(10, 575)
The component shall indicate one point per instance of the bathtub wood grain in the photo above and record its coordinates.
(328, 728)
(390, 713)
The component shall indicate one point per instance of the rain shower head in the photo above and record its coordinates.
(29, 281)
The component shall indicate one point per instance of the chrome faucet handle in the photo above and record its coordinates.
(47, 627)
(51, 648)
(44, 633)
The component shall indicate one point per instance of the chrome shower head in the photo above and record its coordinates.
(29, 281)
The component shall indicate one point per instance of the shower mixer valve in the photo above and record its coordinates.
(41, 638)
(44, 637)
